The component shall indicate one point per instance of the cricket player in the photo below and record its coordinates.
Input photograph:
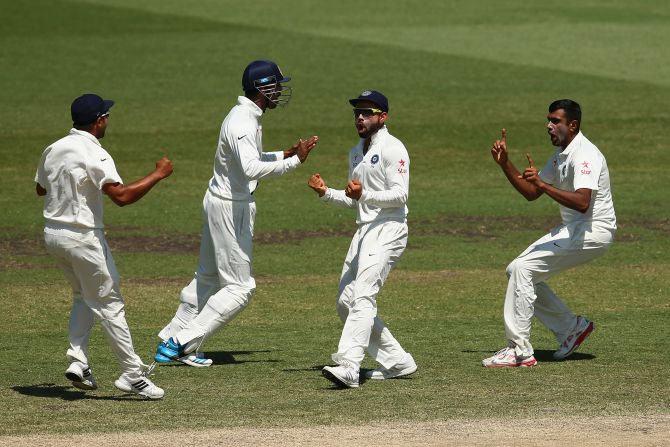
(223, 283)
(575, 176)
(72, 175)
(378, 188)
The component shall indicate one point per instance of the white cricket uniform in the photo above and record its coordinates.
(581, 238)
(223, 284)
(73, 171)
(379, 241)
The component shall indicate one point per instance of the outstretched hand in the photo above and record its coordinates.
(499, 149)
(304, 147)
(354, 189)
(317, 184)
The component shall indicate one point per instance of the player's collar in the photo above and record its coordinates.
(573, 144)
(381, 133)
(246, 102)
(83, 133)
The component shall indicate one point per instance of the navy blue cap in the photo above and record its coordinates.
(260, 73)
(373, 96)
(88, 108)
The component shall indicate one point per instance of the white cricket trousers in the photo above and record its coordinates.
(87, 262)
(374, 250)
(528, 294)
(223, 284)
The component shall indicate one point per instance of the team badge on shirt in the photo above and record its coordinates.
(374, 159)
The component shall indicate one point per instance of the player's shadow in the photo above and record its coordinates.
(67, 393)
(221, 357)
(546, 355)
(542, 355)
(333, 386)
(228, 358)
(311, 368)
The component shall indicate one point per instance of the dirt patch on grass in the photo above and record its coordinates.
(647, 430)
(472, 227)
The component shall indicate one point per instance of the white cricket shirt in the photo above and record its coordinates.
(239, 161)
(384, 174)
(582, 165)
(73, 171)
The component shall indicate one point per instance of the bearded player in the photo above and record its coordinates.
(378, 189)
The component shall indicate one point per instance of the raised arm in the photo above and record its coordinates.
(124, 195)
(500, 156)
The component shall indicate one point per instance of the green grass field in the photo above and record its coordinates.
(455, 73)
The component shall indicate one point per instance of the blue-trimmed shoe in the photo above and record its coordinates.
(169, 350)
(160, 358)
(197, 360)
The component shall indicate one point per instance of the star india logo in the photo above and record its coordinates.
(402, 168)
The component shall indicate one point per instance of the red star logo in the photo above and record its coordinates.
(402, 162)
(585, 164)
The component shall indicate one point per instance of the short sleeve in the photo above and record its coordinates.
(40, 175)
(548, 173)
(586, 172)
(102, 170)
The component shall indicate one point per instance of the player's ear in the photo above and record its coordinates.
(382, 117)
(573, 126)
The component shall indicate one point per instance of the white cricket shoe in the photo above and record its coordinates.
(577, 336)
(343, 375)
(81, 376)
(405, 367)
(141, 385)
(197, 359)
(507, 358)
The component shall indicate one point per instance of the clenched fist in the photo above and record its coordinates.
(354, 189)
(164, 167)
(317, 184)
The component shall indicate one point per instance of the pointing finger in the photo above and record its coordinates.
(503, 132)
(530, 161)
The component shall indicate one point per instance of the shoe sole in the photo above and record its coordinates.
(336, 380)
(73, 377)
(188, 362)
(524, 364)
(590, 328)
(78, 382)
(402, 373)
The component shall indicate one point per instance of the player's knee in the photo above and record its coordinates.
(244, 294)
(364, 305)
